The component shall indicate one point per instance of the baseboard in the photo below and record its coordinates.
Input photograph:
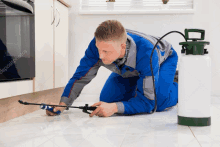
(10, 107)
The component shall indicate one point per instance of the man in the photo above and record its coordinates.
(129, 89)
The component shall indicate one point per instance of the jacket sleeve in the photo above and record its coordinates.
(85, 72)
(144, 101)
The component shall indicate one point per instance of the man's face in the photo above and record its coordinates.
(110, 51)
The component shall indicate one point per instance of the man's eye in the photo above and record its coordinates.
(105, 51)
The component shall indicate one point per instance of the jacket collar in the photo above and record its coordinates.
(131, 59)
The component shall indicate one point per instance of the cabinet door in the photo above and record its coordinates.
(61, 45)
(43, 45)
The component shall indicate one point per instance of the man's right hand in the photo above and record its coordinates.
(49, 113)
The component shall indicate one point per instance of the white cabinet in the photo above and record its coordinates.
(61, 45)
(51, 34)
(43, 45)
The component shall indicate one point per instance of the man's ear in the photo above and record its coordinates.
(123, 45)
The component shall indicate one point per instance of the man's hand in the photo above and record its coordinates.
(49, 113)
(104, 109)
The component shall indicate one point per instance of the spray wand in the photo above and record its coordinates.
(49, 108)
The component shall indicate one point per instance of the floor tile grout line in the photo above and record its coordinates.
(103, 125)
(85, 138)
(126, 132)
(91, 133)
(44, 142)
(211, 139)
(70, 125)
(216, 107)
(195, 136)
(56, 135)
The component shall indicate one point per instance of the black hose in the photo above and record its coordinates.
(152, 67)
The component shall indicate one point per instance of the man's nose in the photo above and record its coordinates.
(101, 56)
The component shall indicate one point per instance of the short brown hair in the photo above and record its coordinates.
(111, 30)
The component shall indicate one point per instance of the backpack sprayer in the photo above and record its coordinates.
(188, 113)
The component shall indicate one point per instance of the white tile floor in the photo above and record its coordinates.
(76, 129)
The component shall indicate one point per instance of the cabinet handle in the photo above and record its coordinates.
(59, 17)
(54, 17)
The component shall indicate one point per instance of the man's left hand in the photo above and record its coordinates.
(104, 109)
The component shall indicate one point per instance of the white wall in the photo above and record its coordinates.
(82, 28)
(213, 33)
